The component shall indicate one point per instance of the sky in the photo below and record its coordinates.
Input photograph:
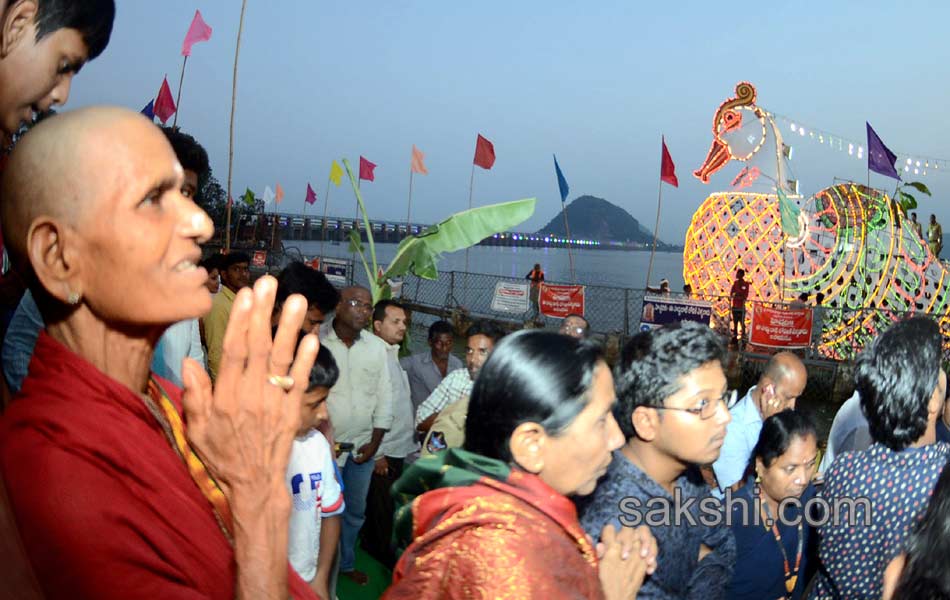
(595, 83)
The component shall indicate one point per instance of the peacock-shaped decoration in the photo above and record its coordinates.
(854, 246)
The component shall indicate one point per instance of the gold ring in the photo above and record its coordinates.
(284, 382)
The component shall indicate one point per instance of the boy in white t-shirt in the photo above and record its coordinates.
(314, 484)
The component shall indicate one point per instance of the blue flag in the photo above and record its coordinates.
(149, 110)
(880, 158)
(561, 182)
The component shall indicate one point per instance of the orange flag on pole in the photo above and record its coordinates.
(279, 194)
(418, 166)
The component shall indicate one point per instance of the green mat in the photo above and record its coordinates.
(379, 579)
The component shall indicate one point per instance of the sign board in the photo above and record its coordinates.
(664, 310)
(780, 328)
(336, 271)
(260, 258)
(314, 263)
(510, 297)
(561, 300)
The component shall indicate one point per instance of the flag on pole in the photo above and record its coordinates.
(279, 195)
(311, 195)
(149, 110)
(417, 165)
(366, 169)
(561, 182)
(164, 106)
(667, 168)
(248, 197)
(790, 212)
(484, 153)
(268, 195)
(336, 173)
(198, 31)
(880, 158)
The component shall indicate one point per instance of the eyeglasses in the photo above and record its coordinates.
(709, 408)
(360, 305)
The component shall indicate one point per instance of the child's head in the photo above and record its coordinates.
(43, 43)
(313, 404)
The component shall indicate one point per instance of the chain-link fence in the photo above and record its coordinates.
(838, 333)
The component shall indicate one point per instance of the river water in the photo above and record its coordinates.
(619, 268)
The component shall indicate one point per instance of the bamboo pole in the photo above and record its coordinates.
(237, 52)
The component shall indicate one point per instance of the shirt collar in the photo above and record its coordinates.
(328, 332)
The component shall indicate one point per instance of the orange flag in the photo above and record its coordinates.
(418, 166)
(279, 195)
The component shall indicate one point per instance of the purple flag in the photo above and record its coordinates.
(880, 158)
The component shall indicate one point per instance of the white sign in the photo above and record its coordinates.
(510, 297)
(335, 270)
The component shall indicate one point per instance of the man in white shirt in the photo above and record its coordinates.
(482, 337)
(399, 444)
(360, 407)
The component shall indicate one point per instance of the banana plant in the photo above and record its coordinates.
(905, 200)
(418, 254)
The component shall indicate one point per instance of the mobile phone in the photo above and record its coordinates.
(344, 447)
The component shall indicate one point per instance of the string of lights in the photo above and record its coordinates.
(918, 164)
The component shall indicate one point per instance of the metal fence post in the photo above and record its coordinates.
(451, 292)
(626, 313)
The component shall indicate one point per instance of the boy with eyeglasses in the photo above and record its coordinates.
(672, 406)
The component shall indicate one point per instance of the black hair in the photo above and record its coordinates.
(777, 434)
(740, 273)
(91, 18)
(190, 153)
(298, 278)
(653, 362)
(233, 258)
(896, 375)
(212, 261)
(925, 573)
(324, 372)
(532, 376)
(487, 328)
(438, 328)
(379, 311)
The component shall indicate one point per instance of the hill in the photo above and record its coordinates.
(593, 218)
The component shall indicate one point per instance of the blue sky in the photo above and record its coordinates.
(597, 83)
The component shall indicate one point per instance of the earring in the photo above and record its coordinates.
(73, 298)
(758, 478)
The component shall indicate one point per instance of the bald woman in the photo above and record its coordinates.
(112, 496)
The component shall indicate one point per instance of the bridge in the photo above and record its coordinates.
(273, 227)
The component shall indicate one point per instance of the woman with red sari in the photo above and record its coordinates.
(493, 519)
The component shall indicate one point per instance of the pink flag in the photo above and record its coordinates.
(164, 103)
(418, 166)
(311, 195)
(279, 195)
(197, 32)
(366, 169)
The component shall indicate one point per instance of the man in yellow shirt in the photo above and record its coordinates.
(235, 274)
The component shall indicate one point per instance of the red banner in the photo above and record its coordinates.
(561, 300)
(788, 328)
(260, 258)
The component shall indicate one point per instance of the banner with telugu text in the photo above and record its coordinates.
(780, 328)
(561, 300)
(663, 310)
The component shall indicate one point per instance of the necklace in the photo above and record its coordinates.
(791, 577)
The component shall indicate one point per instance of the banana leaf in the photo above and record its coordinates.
(923, 189)
(419, 254)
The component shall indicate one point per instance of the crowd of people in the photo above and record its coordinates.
(177, 430)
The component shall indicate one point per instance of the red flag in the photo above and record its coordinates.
(484, 153)
(667, 168)
(311, 195)
(366, 169)
(198, 31)
(164, 104)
